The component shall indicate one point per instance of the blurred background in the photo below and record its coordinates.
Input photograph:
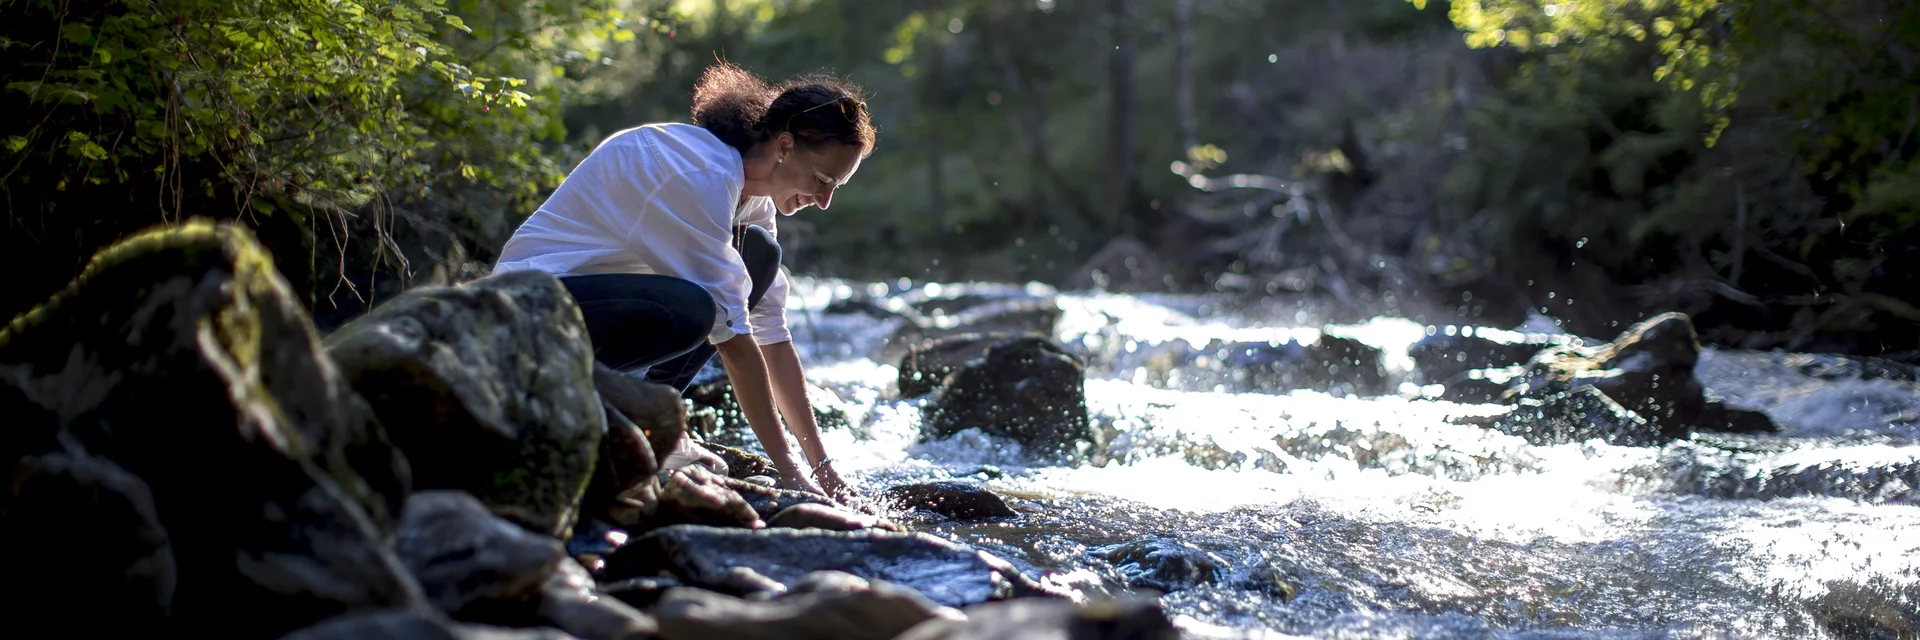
(1593, 161)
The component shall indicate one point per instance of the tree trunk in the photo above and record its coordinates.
(1183, 74)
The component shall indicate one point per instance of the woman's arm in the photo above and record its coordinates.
(790, 394)
(747, 370)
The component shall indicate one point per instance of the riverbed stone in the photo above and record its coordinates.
(1026, 389)
(951, 499)
(414, 625)
(571, 602)
(1453, 351)
(1576, 415)
(624, 488)
(181, 357)
(1648, 370)
(472, 564)
(1166, 565)
(948, 573)
(1331, 364)
(926, 364)
(876, 611)
(77, 524)
(1042, 619)
(808, 515)
(489, 388)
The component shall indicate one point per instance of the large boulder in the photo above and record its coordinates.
(472, 564)
(1027, 389)
(972, 308)
(709, 557)
(1577, 415)
(1648, 370)
(181, 361)
(951, 499)
(489, 389)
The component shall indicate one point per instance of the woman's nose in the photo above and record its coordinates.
(823, 199)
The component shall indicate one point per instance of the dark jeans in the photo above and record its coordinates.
(660, 323)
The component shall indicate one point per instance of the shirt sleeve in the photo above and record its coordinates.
(769, 317)
(690, 228)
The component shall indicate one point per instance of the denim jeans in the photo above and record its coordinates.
(660, 323)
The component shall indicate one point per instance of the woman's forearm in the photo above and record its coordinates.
(747, 370)
(790, 395)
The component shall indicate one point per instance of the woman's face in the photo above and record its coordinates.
(808, 177)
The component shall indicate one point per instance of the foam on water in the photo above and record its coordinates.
(1390, 520)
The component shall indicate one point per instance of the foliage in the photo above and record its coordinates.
(351, 111)
(1748, 161)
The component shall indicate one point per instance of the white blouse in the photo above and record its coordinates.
(657, 199)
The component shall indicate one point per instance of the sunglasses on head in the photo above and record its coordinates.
(845, 112)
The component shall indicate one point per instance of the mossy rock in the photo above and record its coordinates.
(489, 389)
(181, 357)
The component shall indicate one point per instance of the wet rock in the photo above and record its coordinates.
(949, 498)
(1766, 468)
(641, 592)
(945, 572)
(926, 365)
(472, 564)
(1479, 386)
(413, 625)
(1453, 351)
(1011, 310)
(489, 389)
(878, 612)
(1332, 364)
(75, 524)
(1875, 609)
(1037, 619)
(716, 417)
(1648, 370)
(570, 602)
(1026, 389)
(741, 463)
(623, 489)
(692, 495)
(1166, 565)
(1577, 415)
(819, 516)
(181, 357)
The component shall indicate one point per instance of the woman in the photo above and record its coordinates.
(664, 235)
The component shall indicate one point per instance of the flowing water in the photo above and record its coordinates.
(1302, 514)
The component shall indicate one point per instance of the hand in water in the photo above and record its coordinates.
(797, 481)
(836, 487)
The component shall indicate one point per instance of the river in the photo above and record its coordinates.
(1302, 514)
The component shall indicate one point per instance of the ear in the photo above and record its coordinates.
(784, 144)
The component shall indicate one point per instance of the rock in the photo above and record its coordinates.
(1332, 364)
(1027, 389)
(692, 495)
(76, 524)
(623, 489)
(181, 357)
(926, 364)
(878, 612)
(950, 498)
(472, 564)
(1771, 468)
(819, 516)
(1166, 565)
(1008, 316)
(642, 592)
(655, 409)
(413, 625)
(1037, 619)
(716, 416)
(1478, 386)
(1648, 370)
(1452, 351)
(489, 389)
(945, 572)
(1574, 416)
(741, 463)
(570, 602)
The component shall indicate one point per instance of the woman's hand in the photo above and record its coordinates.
(794, 479)
(836, 488)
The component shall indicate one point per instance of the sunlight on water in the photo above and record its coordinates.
(1388, 520)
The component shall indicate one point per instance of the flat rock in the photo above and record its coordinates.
(951, 499)
(489, 388)
(471, 563)
(1040, 619)
(877, 612)
(947, 573)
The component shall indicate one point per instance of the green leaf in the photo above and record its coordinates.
(16, 143)
(76, 32)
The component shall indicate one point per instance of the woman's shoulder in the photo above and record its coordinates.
(677, 147)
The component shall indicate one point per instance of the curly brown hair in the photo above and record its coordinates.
(819, 109)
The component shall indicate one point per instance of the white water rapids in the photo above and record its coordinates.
(1386, 521)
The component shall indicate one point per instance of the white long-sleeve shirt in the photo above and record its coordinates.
(657, 199)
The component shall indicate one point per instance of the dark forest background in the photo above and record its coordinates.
(1749, 163)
